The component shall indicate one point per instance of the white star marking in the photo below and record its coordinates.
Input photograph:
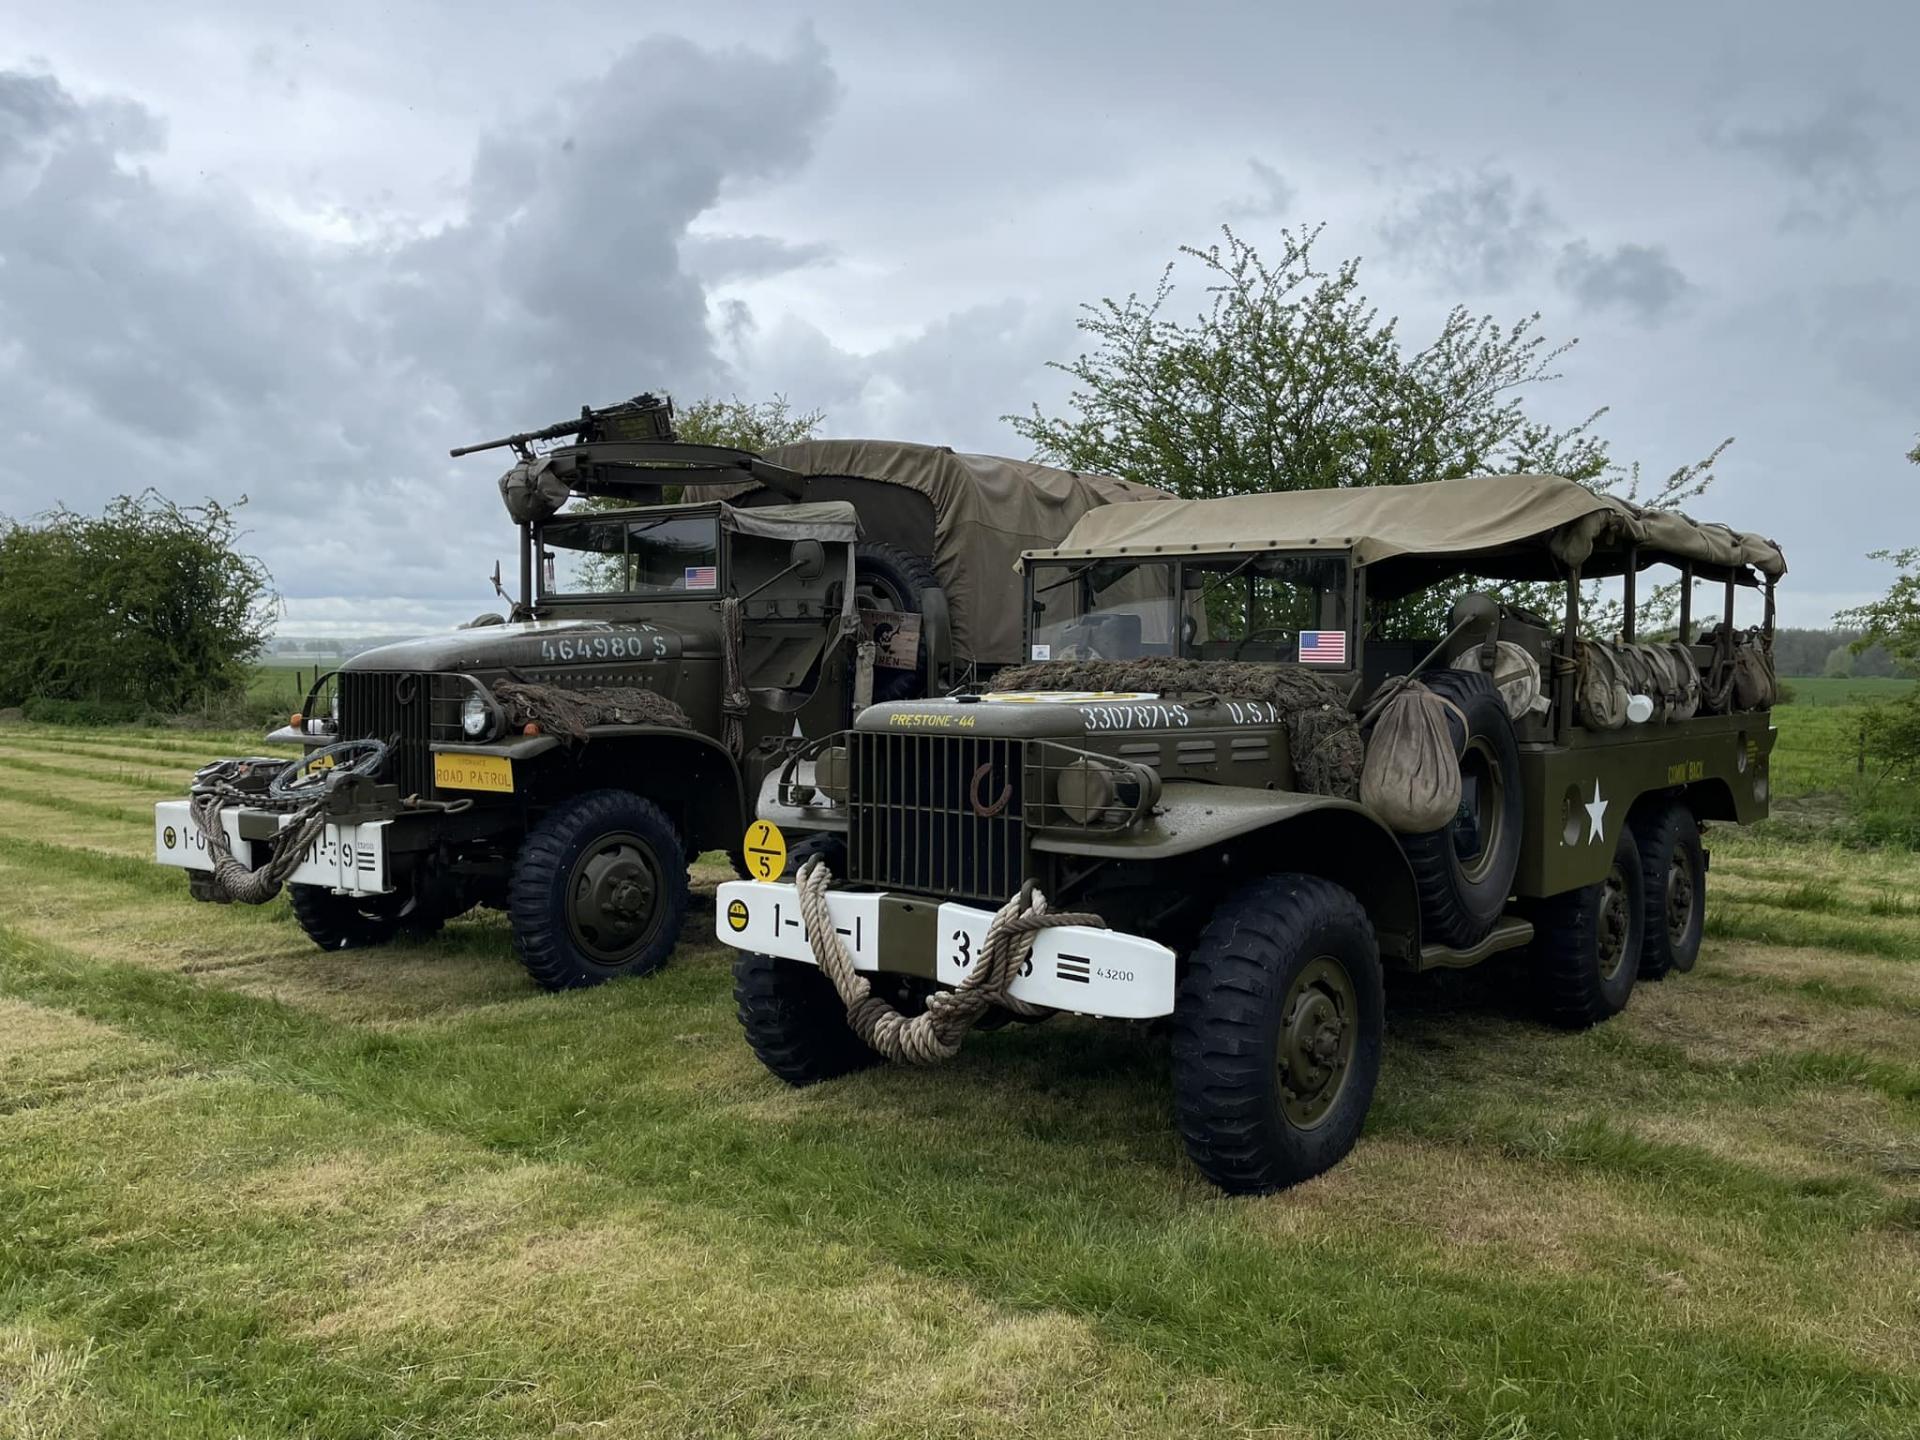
(1596, 815)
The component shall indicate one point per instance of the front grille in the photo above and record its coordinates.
(915, 803)
(383, 705)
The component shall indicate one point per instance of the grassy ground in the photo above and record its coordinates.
(254, 1189)
(1812, 691)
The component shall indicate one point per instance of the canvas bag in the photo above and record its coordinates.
(1754, 685)
(1412, 774)
(1603, 689)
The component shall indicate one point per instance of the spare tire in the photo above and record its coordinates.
(1465, 869)
(885, 577)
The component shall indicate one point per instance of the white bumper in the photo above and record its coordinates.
(350, 858)
(1074, 967)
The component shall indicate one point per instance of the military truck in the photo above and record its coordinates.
(1186, 760)
(564, 761)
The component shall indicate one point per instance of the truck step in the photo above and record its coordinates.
(1510, 932)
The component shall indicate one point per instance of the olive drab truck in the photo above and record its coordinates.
(686, 616)
(1260, 766)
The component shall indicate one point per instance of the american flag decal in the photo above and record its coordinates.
(702, 577)
(1323, 647)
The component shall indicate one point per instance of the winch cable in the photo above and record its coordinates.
(937, 1032)
(233, 879)
(304, 805)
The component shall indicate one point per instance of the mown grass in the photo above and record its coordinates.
(256, 1189)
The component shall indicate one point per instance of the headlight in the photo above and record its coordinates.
(1085, 789)
(475, 718)
(830, 773)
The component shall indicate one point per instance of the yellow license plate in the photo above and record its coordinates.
(473, 772)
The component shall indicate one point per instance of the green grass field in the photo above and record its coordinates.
(254, 1189)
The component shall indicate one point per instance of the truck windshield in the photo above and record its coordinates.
(650, 555)
(1240, 607)
(1101, 610)
(1258, 607)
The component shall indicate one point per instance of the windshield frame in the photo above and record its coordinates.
(1351, 593)
(723, 575)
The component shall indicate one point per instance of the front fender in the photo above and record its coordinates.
(1266, 832)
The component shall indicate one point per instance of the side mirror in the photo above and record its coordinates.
(808, 559)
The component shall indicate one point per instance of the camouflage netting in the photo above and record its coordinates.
(1323, 736)
(567, 713)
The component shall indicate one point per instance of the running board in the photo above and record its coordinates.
(1509, 932)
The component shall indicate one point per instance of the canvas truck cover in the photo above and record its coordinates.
(1520, 527)
(986, 510)
(824, 520)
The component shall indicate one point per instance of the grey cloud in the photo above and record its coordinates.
(1273, 194)
(1478, 231)
(1639, 279)
(202, 346)
(719, 258)
(1836, 156)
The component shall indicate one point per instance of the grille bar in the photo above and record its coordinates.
(380, 704)
(937, 814)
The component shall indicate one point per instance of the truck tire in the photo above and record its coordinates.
(1587, 943)
(1673, 877)
(1277, 1029)
(598, 891)
(1465, 869)
(885, 577)
(356, 922)
(794, 1020)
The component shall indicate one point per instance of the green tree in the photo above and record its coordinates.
(149, 604)
(756, 425)
(1839, 663)
(1291, 379)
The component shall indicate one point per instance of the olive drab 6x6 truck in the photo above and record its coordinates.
(564, 762)
(1217, 794)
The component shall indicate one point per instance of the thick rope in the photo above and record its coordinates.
(937, 1032)
(230, 877)
(734, 699)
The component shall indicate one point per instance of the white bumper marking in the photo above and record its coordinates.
(770, 915)
(352, 858)
(1074, 967)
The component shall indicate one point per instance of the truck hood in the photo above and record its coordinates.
(1056, 714)
(543, 643)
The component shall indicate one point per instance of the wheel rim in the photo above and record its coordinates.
(613, 898)
(1613, 926)
(1318, 1027)
(1483, 792)
(1680, 893)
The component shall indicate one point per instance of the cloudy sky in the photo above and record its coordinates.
(296, 253)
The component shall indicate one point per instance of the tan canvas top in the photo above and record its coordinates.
(987, 510)
(833, 520)
(1502, 526)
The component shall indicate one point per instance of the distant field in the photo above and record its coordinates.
(1822, 691)
(280, 684)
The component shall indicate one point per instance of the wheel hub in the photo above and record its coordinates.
(1612, 925)
(613, 898)
(1317, 1032)
(1679, 898)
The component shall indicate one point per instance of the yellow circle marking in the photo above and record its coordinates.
(737, 915)
(766, 850)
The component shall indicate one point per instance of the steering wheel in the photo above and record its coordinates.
(1252, 635)
(309, 776)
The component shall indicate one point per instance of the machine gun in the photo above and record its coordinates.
(645, 417)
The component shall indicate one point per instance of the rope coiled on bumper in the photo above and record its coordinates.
(937, 1032)
(230, 877)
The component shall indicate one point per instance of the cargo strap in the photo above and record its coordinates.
(735, 701)
(937, 1032)
(234, 880)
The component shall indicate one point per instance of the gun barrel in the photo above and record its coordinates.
(551, 432)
